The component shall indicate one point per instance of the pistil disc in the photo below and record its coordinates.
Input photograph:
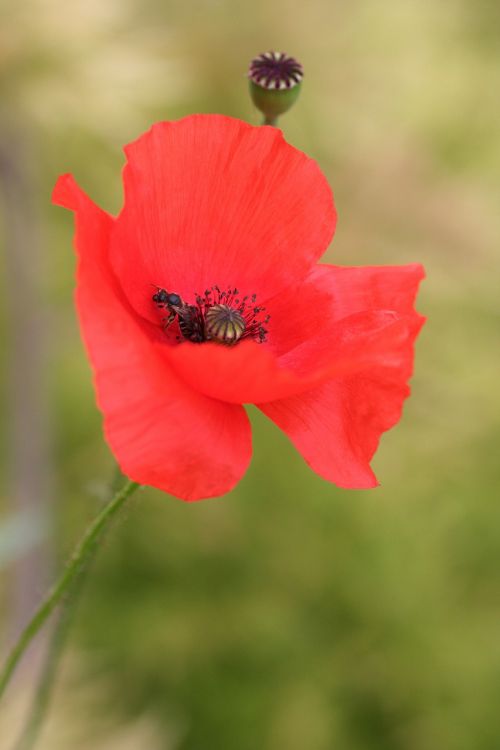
(224, 324)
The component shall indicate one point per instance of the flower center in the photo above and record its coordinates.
(221, 316)
(224, 324)
(275, 70)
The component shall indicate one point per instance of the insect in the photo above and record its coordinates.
(191, 323)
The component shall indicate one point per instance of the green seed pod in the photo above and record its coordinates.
(275, 80)
(224, 324)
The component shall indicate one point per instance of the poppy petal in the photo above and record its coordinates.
(330, 294)
(211, 200)
(161, 432)
(337, 426)
(337, 322)
(357, 288)
(252, 373)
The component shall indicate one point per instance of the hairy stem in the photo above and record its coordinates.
(46, 679)
(83, 552)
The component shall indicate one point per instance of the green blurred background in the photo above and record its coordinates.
(288, 614)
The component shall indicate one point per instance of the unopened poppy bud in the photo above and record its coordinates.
(275, 80)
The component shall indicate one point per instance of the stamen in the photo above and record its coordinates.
(221, 316)
(244, 307)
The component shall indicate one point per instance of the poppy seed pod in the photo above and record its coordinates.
(275, 81)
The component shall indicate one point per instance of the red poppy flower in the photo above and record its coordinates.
(220, 220)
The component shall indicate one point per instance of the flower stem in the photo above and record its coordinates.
(46, 679)
(81, 555)
(269, 120)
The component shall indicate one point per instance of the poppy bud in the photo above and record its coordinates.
(275, 80)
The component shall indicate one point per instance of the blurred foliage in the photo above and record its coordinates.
(290, 613)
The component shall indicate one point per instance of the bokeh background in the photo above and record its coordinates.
(288, 614)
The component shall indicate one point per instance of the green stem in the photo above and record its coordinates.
(81, 555)
(269, 120)
(46, 679)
